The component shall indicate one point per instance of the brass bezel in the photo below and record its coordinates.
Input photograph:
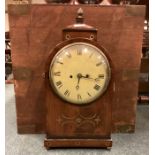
(98, 49)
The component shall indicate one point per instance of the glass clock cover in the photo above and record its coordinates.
(79, 73)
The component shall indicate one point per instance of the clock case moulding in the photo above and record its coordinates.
(86, 125)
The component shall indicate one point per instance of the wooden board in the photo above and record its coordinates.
(36, 29)
(144, 77)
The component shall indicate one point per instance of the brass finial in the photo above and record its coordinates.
(79, 18)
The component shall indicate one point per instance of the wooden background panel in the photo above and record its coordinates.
(30, 105)
(36, 29)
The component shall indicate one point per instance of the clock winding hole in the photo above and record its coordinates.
(71, 76)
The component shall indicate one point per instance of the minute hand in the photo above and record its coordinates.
(89, 78)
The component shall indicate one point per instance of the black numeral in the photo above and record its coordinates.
(69, 55)
(67, 93)
(79, 52)
(98, 64)
(91, 55)
(96, 87)
(79, 97)
(59, 84)
(101, 76)
(57, 73)
(60, 62)
(89, 94)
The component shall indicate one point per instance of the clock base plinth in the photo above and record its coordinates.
(75, 143)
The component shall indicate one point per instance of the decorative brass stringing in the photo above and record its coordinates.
(80, 120)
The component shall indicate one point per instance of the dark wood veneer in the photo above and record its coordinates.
(69, 122)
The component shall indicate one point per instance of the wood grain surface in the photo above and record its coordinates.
(36, 29)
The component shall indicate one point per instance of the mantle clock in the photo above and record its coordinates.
(78, 90)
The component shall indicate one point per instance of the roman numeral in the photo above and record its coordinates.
(96, 87)
(98, 64)
(59, 84)
(79, 97)
(68, 55)
(91, 55)
(79, 52)
(67, 93)
(89, 94)
(60, 62)
(57, 73)
(101, 76)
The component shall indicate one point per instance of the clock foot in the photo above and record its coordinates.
(47, 148)
(109, 148)
(81, 143)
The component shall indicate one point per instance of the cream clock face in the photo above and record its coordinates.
(79, 73)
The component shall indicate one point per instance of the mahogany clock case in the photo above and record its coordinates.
(75, 125)
(34, 32)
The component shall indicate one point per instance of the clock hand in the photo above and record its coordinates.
(79, 76)
(77, 86)
(89, 78)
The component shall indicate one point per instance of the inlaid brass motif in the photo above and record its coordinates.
(80, 120)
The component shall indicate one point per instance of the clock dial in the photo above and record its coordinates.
(79, 73)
